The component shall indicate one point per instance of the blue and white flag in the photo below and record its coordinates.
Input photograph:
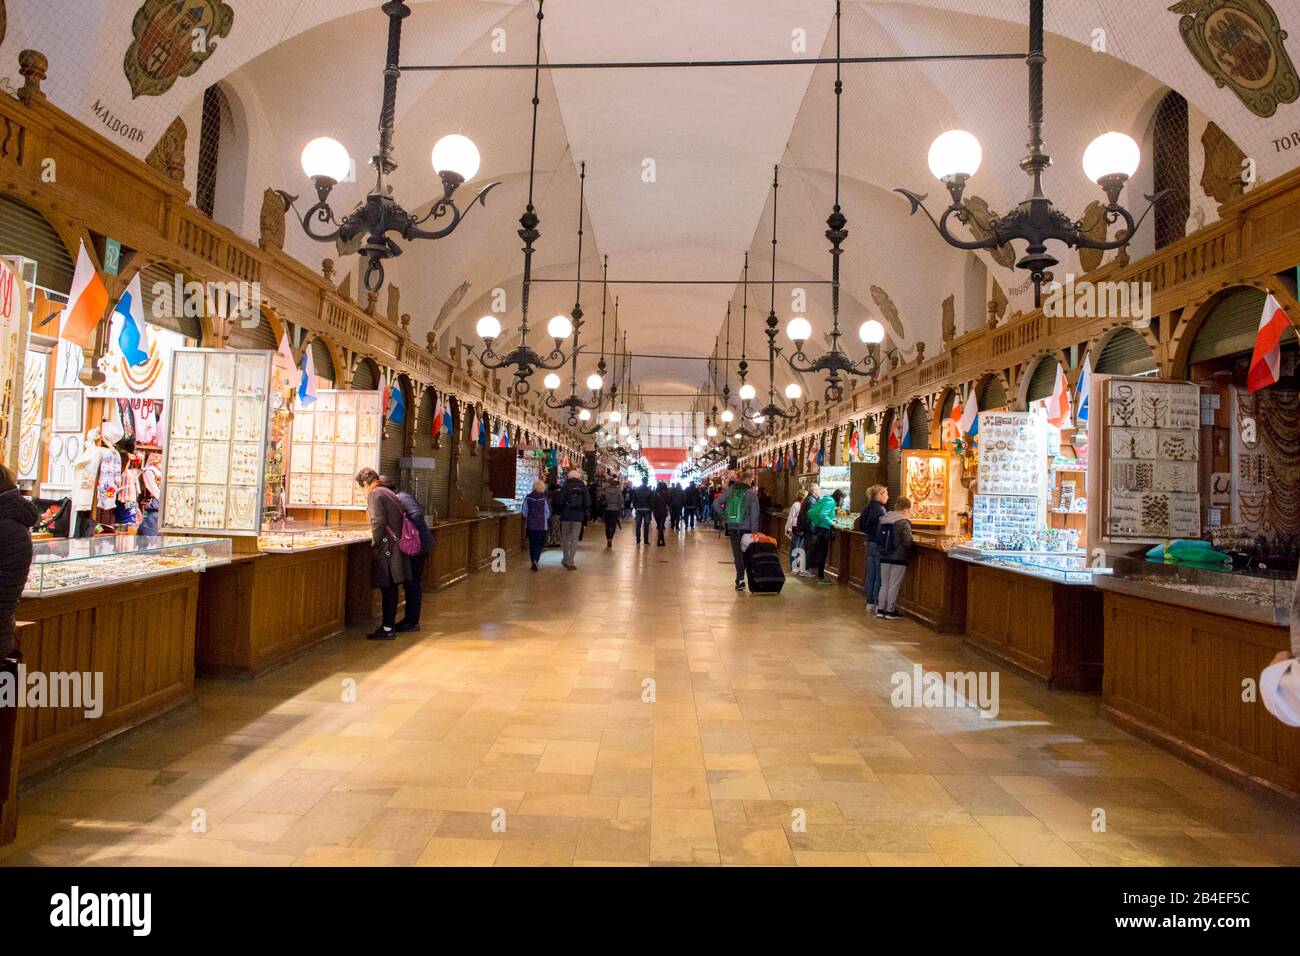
(307, 384)
(131, 338)
(970, 416)
(1085, 385)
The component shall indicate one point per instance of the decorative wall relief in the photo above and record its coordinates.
(1094, 227)
(1240, 44)
(979, 221)
(890, 312)
(998, 303)
(166, 45)
(949, 319)
(1221, 178)
(168, 154)
(271, 221)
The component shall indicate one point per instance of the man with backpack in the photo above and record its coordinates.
(643, 499)
(575, 505)
(822, 518)
(742, 516)
(894, 542)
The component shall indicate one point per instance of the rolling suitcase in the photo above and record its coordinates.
(763, 568)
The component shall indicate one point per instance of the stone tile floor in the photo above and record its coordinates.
(515, 730)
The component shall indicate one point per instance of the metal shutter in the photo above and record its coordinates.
(259, 336)
(471, 472)
(160, 275)
(423, 443)
(440, 494)
(918, 423)
(25, 232)
(1231, 327)
(1042, 380)
(993, 395)
(391, 447)
(363, 378)
(1125, 353)
(320, 355)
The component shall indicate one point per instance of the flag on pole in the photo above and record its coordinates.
(130, 337)
(448, 424)
(396, 405)
(970, 416)
(1085, 385)
(473, 427)
(284, 358)
(86, 301)
(435, 423)
(1266, 362)
(854, 446)
(307, 384)
(895, 436)
(1058, 403)
(905, 439)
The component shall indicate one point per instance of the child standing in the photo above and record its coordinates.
(894, 542)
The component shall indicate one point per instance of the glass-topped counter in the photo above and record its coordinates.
(293, 538)
(1057, 567)
(63, 564)
(1257, 596)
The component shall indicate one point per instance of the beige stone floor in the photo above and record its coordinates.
(521, 704)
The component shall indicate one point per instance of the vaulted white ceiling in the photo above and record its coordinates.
(679, 162)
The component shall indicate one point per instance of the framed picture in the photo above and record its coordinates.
(69, 408)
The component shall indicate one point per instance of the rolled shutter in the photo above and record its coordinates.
(364, 378)
(320, 355)
(1232, 327)
(25, 232)
(992, 395)
(1125, 353)
(152, 279)
(918, 423)
(1042, 380)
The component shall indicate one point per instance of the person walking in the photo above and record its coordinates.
(642, 503)
(17, 515)
(575, 503)
(742, 516)
(822, 518)
(612, 502)
(388, 566)
(676, 504)
(792, 524)
(627, 499)
(660, 506)
(691, 505)
(869, 525)
(895, 544)
(414, 584)
(706, 503)
(537, 518)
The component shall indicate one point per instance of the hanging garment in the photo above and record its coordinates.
(85, 471)
(110, 479)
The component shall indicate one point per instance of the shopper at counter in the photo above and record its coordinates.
(537, 518)
(894, 541)
(821, 517)
(792, 524)
(1279, 685)
(575, 503)
(869, 525)
(389, 567)
(414, 584)
(17, 515)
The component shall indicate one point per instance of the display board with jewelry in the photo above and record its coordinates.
(332, 438)
(217, 428)
(1150, 451)
(1013, 453)
(926, 484)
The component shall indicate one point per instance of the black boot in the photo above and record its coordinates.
(382, 634)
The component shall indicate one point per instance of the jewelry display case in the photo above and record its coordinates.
(1260, 597)
(332, 439)
(218, 423)
(63, 565)
(294, 539)
(926, 485)
(1057, 568)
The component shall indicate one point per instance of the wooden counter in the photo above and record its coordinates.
(484, 539)
(449, 562)
(261, 610)
(1047, 631)
(934, 589)
(138, 634)
(1175, 676)
(12, 720)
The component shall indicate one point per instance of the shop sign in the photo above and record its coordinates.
(13, 351)
(112, 256)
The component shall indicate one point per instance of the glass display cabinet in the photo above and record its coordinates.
(63, 565)
(294, 538)
(925, 484)
(1059, 568)
(1257, 596)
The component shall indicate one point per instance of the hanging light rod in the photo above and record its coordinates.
(709, 64)
(703, 281)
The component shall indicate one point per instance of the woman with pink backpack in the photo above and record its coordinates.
(389, 566)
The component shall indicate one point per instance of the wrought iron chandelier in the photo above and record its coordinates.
(586, 414)
(595, 381)
(835, 362)
(1109, 161)
(771, 412)
(364, 231)
(523, 358)
(747, 427)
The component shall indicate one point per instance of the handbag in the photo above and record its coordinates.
(409, 543)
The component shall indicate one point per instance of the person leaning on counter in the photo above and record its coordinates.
(1279, 685)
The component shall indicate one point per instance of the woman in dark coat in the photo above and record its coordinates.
(659, 503)
(388, 566)
(17, 515)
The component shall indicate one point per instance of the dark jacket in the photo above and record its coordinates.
(691, 496)
(676, 497)
(575, 501)
(902, 549)
(537, 511)
(642, 497)
(869, 520)
(659, 502)
(17, 515)
(415, 514)
(389, 566)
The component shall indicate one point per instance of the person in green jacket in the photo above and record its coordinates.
(822, 518)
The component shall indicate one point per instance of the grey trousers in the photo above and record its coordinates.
(569, 531)
(891, 580)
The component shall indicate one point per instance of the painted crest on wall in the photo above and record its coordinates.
(173, 38)
(1240, 44)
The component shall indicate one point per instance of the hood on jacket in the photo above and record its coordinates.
(890, 517)
(14, 507)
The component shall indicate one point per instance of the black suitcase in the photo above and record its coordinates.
(763, 568)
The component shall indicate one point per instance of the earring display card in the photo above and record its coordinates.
(1152, 447)
(1012, 449)
(333, 438)
(215, 450)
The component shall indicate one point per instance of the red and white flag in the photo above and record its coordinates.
(87, 301)
(1058, 403)
(1265, 364)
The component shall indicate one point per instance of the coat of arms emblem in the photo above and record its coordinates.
(1240, 44)
(172, 39)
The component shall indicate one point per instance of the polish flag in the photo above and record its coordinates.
(895, 436)
(1265, 364)
(436, 423)
(284, 356)
(1058, 403)
(473, 428)
(86, 302)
